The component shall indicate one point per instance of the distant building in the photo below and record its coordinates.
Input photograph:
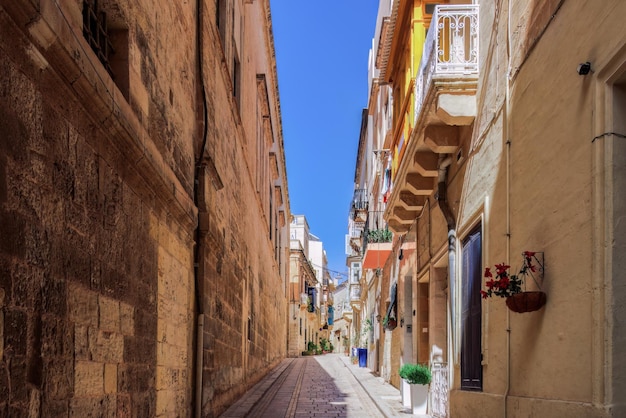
(342, 318)
(310, 290)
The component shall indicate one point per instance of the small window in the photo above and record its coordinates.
(429, 8)
(106, 32)
(220, 19)
(237, 79)
(96, 33)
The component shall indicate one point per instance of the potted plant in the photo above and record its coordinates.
(509, 286)
(418, 376)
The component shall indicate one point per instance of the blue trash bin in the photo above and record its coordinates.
(362, 357)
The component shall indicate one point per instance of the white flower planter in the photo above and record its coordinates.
(406, 394)
(419, 399)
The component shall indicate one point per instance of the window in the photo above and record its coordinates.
(96, 33)
(471, 311)
(429, 8)
(220, 19)
(107, 34)
(237, 79)
(356, 272)
(312, 292)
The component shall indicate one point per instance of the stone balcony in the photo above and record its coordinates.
(444, 93)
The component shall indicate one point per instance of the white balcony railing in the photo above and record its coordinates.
(451, 47)
(439, 390)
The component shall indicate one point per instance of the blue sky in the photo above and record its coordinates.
(322, 49)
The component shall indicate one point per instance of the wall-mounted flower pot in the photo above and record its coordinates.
(391, 324)
(526, 301)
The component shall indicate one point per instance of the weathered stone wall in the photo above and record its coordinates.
(87, 247)
(98, 300)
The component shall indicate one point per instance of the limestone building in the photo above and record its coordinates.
(311, 311)
(144, 207)
(506, 139)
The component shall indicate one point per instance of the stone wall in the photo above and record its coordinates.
(98, 217)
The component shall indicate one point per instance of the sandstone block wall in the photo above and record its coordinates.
(98, 217)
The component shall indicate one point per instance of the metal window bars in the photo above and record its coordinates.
(96, 33)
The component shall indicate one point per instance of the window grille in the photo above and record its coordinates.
(95, 32)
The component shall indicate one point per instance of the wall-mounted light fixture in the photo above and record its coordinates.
(584, 68)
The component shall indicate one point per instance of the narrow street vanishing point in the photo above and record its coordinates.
(320, 386)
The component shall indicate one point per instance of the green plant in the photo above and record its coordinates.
(311, 346)
(415, 374)
(325, 345)
(367, 326)
(379, 235)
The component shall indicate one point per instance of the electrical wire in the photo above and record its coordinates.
(608, 134)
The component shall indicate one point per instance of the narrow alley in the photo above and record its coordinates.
(320, 386)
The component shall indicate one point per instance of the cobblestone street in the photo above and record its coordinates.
(320, 386)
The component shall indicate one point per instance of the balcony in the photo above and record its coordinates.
(355, 296)
(354, 238)
(444, 103)
(376, 241)
(358, 208)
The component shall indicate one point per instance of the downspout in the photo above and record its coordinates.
(442, 200)
(201, 228)
(507, 140)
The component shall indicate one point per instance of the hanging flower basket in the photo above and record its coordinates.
(526, 301)
(390, 323)
(510, 286)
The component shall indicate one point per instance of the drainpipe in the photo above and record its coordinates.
(442, 200)
(507, 140)
(198, 195)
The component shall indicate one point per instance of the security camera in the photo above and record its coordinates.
(584, 68)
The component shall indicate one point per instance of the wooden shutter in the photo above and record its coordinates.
(471, 357)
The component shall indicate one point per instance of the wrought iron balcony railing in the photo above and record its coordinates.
(451, 47)
(359, 203)
(439, 390)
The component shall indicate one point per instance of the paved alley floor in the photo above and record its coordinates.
(320, 386)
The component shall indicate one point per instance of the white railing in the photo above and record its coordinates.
(439, 390)
(451, 47)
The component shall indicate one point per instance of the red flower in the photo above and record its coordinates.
(502, 268)
(490, 284)
(504, 283)
(488, 272)
(484, 294)
(529, 254)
